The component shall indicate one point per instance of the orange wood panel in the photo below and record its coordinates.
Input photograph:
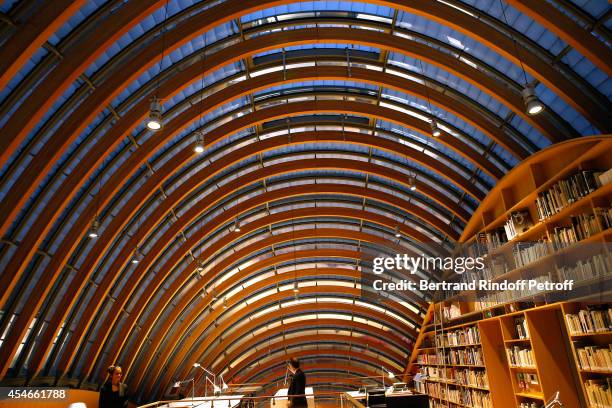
(494, 355)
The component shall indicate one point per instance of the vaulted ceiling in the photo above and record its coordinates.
(316, 120)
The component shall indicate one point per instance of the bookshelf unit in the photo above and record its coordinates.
(557, 214)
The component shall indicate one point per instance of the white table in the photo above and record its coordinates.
(283, 402)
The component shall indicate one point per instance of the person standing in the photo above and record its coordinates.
(113, 393)
(297, 388)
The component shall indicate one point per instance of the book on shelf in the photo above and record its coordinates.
(451, 312)
(594, 358)
(470, 356)
(520, 357)
(599, 392)
(517, 223)
(586, 269)
(528, 383)
(567, 191)
(592, 320)
(582, 227)
(605, 177)
(522, 331)
(525, 253)
(604, 215)
(467, 336)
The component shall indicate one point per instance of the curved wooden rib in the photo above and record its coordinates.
(31, 35)
(104, 242)
(568, 30)
(83, 115)
(19, 261)
(197, 25)
(177, 366)
(213, 353)
(363, 358)
(250, 357)
(158, 341)
(307, 340)
(74, 62)
(244, 252)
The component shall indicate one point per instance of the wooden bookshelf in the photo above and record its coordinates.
(575, 242)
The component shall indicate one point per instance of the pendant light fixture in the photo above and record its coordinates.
(435, 130)
(154, 121)
(137, 256)
(236, 225)
(199, 143)
(533, 105)
(398, 233)
(198, 147)
(412, 183)
(94, 229)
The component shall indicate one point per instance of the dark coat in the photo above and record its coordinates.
(113, 399)
(297, 387)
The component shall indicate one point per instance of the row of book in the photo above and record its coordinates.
(464, 337)
(470, 398)
(567, 191)
(430, 359)
(520, 357)
(599, 392)
(591, 268)
(583, 226)
(595, 358)
(522, 331)
(473, 378)
(456, 376)
(528, 383)
(590, 320)
(470, 356)
(525, 253)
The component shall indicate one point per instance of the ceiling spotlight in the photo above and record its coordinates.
(93, 230)
(154, 122)
(398, 233)
(236, 225)
(199, 265)
(295, 287)
(199, 143)
(137, 257)
(435, 130)
(531, 100)
(196, 364)
(225, 303)
(412, 182)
